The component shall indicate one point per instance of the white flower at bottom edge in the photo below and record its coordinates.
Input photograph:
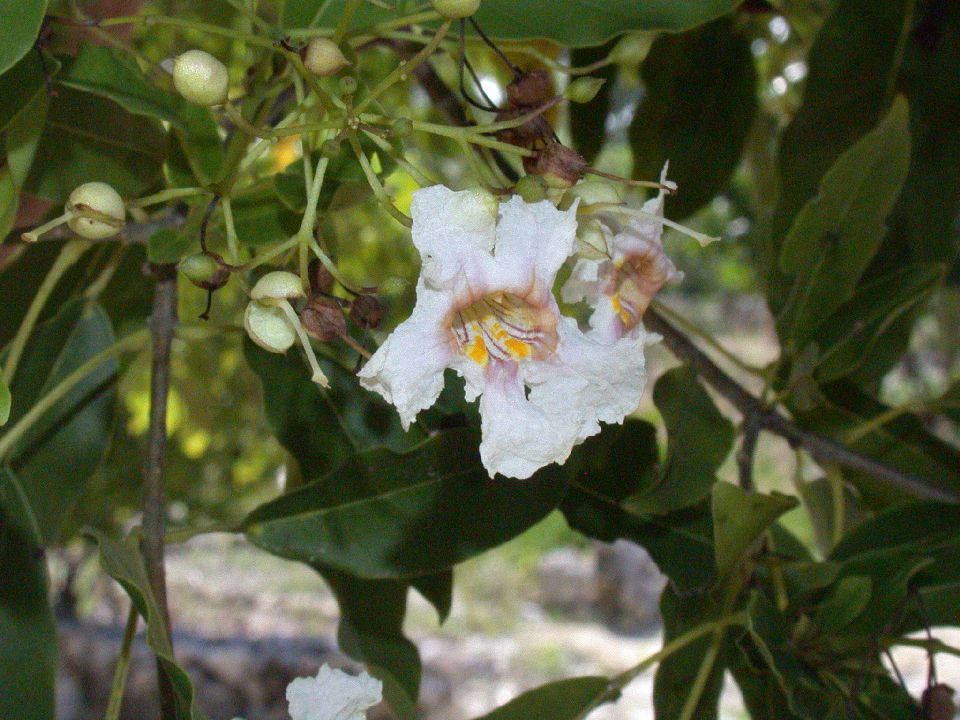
(620, 285)
(333, 695)
(485, 308)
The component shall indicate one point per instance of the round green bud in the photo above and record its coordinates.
(99, 211)
(348, 85)
(201, 78)
(455, 9)
(324, 57)
(269, 327)
(402, 127)
(205, 270)
(276, 286)
(330, 148)
(531, 188)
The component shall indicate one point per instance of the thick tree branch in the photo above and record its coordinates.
(822, 448)
(163, 322)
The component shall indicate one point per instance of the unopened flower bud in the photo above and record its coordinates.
(937, 703)
(277, 285)
(531, 188)
(205, 270)
(366, 312)
(348, 85)
(321, 281)
(402, 127)
(201, 78)
(583, 90)
(98, 211)
(323, 319)
(269, 327)
(531, 89)
(324, 57)
(560, 166)
(592, 192)
(456, 9)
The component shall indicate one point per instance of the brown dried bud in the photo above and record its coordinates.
(366, 311)
(323, 319)
(531, 89)
(937, 703)
(560, 166)
(321, 281)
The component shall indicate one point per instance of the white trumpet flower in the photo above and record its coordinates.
(485, 308)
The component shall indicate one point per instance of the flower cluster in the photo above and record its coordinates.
(485, 307)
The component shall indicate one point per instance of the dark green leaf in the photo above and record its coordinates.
(604, 472)
(560, 20)
(849, 598)
(4, 403)
(112, 74)
(123, 561)
(588, 120)
(438, 591)
(836, 234)
(18, 86)
(850, 67)
(59, 453)
(846, 339)
(914, 524)
(22, 135)
(676, 673)
(28, 643)
(261, 220)
(196, 149)
(371, 632)
(88, 137)
(739, 518)
(20, 21)
(562, 700)
(699, 439)
(698, 108)
(389, 515)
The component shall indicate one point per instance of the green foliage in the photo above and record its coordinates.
(739, 518)
(562, 700)
(21, 25)
(4, 403)
(28, 653)
(123, 561)
(699, 103)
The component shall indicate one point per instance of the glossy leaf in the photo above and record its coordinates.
(699, 438)
(21, 22)
(28, 643)
(739, 518)
(847, 338)
(112, 74)
(371, 632)
(697, 110)
(566, 699)
(560, 20)
(54, 459)
(846, 94)
(86, 137)
(608, 469)
(19, 85)
(837, 233)
(677, 672)
(390, 515)
(123, 561)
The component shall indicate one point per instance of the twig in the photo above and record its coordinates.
(822, 448)
(748, 448)
(163, 322)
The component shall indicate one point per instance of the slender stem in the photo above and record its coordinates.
(877, 422)
(822, 448)
(376, 185)
(131, 342)
(838, 504)
(402, 71)
(163, 323)
(318, 376)
(653, 217)
(96, 288)
(65, 260)
(346, 16)
(419, 176)
(748, 448)
(34, 235)
(310, 212)
(123, 666)
(175, 537)
(233, 244)
(166, 196)
(202, 27)
(702, 677)
(459, 133)
(272, 253)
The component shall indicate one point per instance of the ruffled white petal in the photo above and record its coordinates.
(535, 235)
(333, 695)
(590, 381)
(407, 370)
(519, 437)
